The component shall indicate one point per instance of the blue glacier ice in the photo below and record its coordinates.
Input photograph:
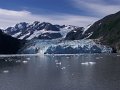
(64, 47)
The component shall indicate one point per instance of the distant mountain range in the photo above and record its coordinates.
(105, 31)
(38, 30)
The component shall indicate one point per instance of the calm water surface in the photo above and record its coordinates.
(60, 72)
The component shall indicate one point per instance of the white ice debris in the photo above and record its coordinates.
(97, 58)
(58, 63)
(6, 71)
(63, 68)
(28, 58)
(118, 55)
(18, 61)
(88, 63)
(92, 63)
(67, 57)
(25, 62)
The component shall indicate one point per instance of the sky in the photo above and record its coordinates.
(68, 12)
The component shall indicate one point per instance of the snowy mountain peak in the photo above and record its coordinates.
(40, 30)
(21, 25)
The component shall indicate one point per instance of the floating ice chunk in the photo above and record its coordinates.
(25, 62)
(63, 68)
(85, 63)
(118, 55)
(67, 57)
(92, 63)
(6, 60)
(18, 61)
(6, 71)
(28, 58)
(88, 63)
(97, 57)
(58, 63)
(10, 60)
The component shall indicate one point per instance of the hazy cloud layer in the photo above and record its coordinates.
(88, 11)
(10, 18)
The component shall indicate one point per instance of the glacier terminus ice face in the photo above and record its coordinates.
(64, 47)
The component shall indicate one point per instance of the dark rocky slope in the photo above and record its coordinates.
(106, 31)
(74, 34)
(8, 44)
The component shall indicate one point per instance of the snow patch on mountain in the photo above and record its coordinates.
(86, 28)
(25, 35)
(64, 31)
(16, 34)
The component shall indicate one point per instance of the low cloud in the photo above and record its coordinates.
(11, 17)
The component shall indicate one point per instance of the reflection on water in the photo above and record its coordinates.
(60, 72)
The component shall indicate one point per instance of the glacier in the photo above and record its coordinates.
(58, 46)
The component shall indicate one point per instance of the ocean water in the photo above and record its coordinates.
(60, 72)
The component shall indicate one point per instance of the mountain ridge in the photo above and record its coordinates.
(40, 30)
(105, 31)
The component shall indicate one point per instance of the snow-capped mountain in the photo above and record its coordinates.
(39, 30)
(68, 39)
(78, 33)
